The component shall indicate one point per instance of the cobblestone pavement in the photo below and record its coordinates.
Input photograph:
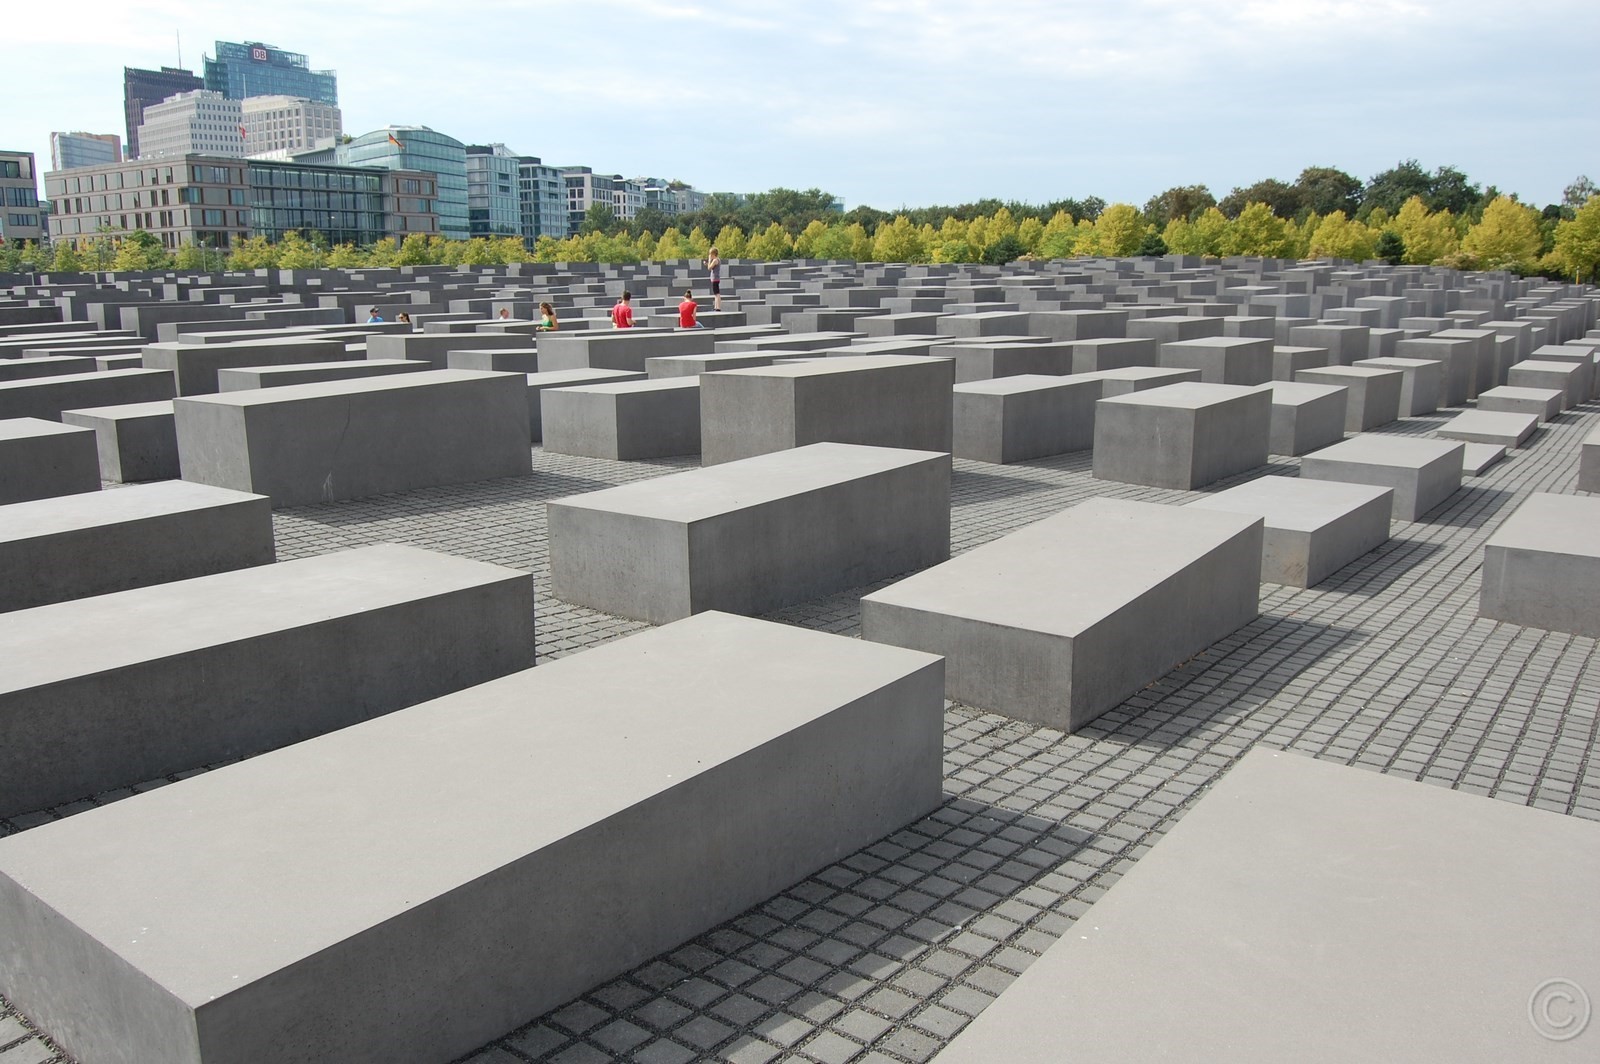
(886, 955)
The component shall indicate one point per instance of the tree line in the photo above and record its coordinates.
(1402, 215)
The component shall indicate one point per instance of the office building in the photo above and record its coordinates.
(239, 71)
(494, 208)
(287, 124)
(542, 196)
(191, 123)
(141, 88)
(424, 149)
(71, 150)
(586, 189)
(215, 201)
(670, 197)
(21, 217)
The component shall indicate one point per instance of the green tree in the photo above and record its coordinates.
(1257, 231)
(1030, 231)
(699, 243)
(732, 242)
(34, 257)
(1506, 238)
(416, 250)
(1339, 237)
(1575, 195)
(860, 242)
(1182, 201)
(671, 246)
(1391, 248)
(1324, 189)
(140, 250)
(771, 245)
(1390, 188)
(1449, 190)
(67, 258)
(1426, 236)
(295, 252)
(1577, 241)
(1152, 245)
(599, 218)
(479, 252)
(345, 257)
(898, 241)
(1119, 230)
(1004, 250)
(383, 253)
(1282, 199)
(1203, 236)
(832, 244)
(1058, 236)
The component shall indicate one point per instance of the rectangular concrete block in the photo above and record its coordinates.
(138, 441)
(1074, 325)
(619, 348)
(243, 379)
(42, 459)
(1130, 379)
(1374, 393)
(1288, 858)
(94, 543)
(1306, 417)
(1287, 361)
(504, 360)
(1222, 359)
(112, 690)
(753, 535)
(435, 348)
(1344, 343)
(987, 361)
(565, 378)
(1313, 528)
(1477, 458)
(46, 397)
(1420, 384)
(195, 366)
(1060, 621)
(1182, 436)
(1013, 419)
(1541, 567)
(345, 439)
(1170, 329)
(1567, 377)
(1486, 426)
(659, 366)
(624, 420)
(1089, 356)
(1459, 358)
(16, 369)
(276, 911)
(1423, 473)
(875, 400)
(1589, 462)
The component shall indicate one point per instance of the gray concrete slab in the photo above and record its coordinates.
(753, 535)
(1374, 399)
(1477, 458)
(1181, 436)
(1420, 385)
(1058, 622)
(1312, 528)
(623, 419)
(1541, 567)
(275, 911)
(1507, 430)
(1423, 473)
(42, 459)
(135, 442)
(1589, 462)
(1306, 417)
(1378, 878)
(246, 378)
(195, 366)
(1222, 359)
(1013, 419)
(112, 690)
(46, 397)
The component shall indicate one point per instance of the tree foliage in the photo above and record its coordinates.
(1577, 241)
(1506, 238)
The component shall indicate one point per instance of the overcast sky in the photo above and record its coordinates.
(897, 102)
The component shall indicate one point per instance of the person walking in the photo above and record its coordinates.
(622, 313)
(373, 317)
(686, 311)
(547, 319)
(714, 264)
(504, 315)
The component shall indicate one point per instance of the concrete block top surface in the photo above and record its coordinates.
(1287, 393)
(839, 364)
(1370, 448)
(1555, 524)
(351, 386)
(1332, 893)
(629, 387)
(1064, 574)
(1363, 372)
(127, 627)
(300, 840)
(1189, 395)
(66, 513)
(1291, 503)
(159, 408)
(699, 494)
(25, 428)
(1023, 382)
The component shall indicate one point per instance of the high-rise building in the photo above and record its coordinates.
(214, 201)
(239, 71)
(420, 148)
(542, 196)
(21, 218)
(287, 124)
(493, 206)
(69, 150)
(141, 88)
(585, 189)
(192, 123)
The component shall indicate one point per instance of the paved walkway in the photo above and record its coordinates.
(886, 955)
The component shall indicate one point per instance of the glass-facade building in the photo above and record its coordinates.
(141, 88)
(542, 195)
(420, 148)
(255, 69)
(71, 150)
(21, 217)
(493, 206)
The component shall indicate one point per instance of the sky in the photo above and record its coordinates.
(896, 103)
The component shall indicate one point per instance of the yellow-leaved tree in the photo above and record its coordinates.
(1577, 250)
(1428, 236)
(1339, 237)
(1506, 237)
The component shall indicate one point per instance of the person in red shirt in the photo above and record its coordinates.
(622, 313)
(686, 312)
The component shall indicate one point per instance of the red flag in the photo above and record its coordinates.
(242, 134)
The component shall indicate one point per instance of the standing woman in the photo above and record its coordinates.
(714, 264)
(547, 319)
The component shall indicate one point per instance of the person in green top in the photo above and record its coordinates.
(547, 319)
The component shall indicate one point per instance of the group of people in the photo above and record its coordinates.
(688, 310)
(621, 314)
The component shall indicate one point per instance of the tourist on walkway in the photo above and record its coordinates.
(548, 322)
(714, 264)
(622, 313)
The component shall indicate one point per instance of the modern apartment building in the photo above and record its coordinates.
(192, 123)
(585, 189)
(141, 88)
(286, 124)
(542, 196)
(215, 201)
(242, 70)
(494, 208)
(71, 150)
(424, 149)
(21, 217)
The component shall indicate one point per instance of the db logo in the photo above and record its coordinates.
(258, 54)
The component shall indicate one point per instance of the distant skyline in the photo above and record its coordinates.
(901, 102)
